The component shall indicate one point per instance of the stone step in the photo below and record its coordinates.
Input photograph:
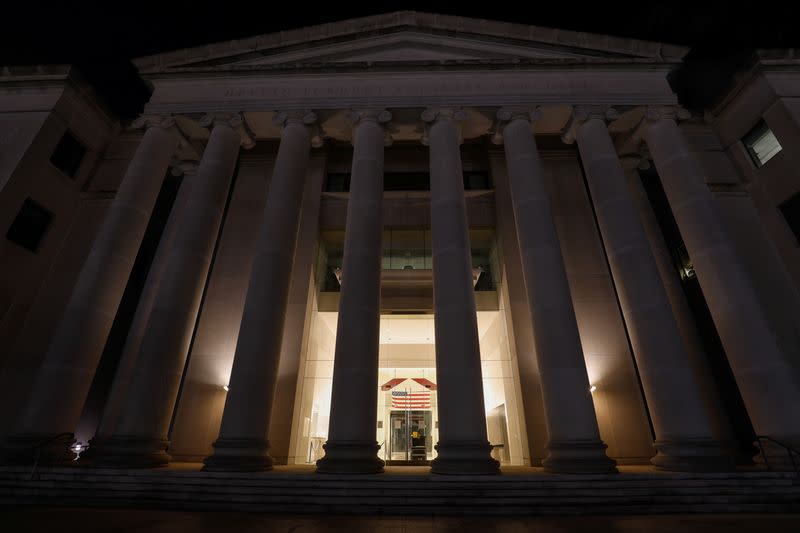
(402, 494)
(404, 489)
(400, 478)
(140, 485)
(156, 476)
(232, 493)
(340, 500)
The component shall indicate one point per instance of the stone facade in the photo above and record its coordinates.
(584, 347)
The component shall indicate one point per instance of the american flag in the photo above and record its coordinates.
(411, 400)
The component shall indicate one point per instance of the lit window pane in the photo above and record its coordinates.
(761, 143)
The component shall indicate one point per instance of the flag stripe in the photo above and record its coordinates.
(411, 400)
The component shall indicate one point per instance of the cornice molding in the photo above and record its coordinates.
(410, 89)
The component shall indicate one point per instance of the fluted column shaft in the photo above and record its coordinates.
(463, 447)
(63, 382)
(140, 436)
(118, 394)
(684, 437)
(351, 445)
(574, 439)
(765, 378)
(242, 442)
(720, 423)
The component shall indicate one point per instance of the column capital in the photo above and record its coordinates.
(304, 117)
(656, 113)
(154, 121)
(652, 115)
(235, 121)
(508, 114)
(378, 116)
(180, 167)
(183, 148)
(584, 113)
(432, 115)
(381, 116)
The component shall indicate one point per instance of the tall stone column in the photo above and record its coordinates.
(140, 435)
(574, 444)
(765, 378)
(351, 447)
(66, 374)
(684, 437)
(720, 422)
(130, 352)
(463, 446)
(242, 444)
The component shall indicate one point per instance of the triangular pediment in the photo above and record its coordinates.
(408, 46)
(408, 38)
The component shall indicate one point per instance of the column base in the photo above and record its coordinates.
(692, 455)
(38, 448)
(239, 455)
(578, 457)
(465, 458)
(351, 457)
(126, 451)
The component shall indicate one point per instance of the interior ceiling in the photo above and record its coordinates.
(411, 329)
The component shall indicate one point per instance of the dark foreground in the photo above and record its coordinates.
(124, 521)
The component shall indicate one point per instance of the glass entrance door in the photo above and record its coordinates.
(410, 441)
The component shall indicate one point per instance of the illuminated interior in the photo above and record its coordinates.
(407, 425)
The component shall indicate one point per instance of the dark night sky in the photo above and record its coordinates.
(101, 37)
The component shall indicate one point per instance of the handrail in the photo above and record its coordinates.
(37, 447)
(789, 451)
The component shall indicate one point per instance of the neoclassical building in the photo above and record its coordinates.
(406, 239)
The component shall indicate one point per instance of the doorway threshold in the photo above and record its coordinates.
(408, 463)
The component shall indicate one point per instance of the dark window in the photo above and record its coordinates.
(476, 181)
(337, 182)
(761, 144)
(408, 181)
(791, 212)
(68, 155)
(29, 225)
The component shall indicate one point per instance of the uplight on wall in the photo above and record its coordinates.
(593, 388)
(77, 448)
(225, 388)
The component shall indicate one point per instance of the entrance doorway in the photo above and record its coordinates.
(407, 421)
(410, 441)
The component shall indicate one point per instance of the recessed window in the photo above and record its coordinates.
(30, 225)
(761, 144)
(337, 182)
(791, 212)
(408, 181)
(68, 155)
(476, 181)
